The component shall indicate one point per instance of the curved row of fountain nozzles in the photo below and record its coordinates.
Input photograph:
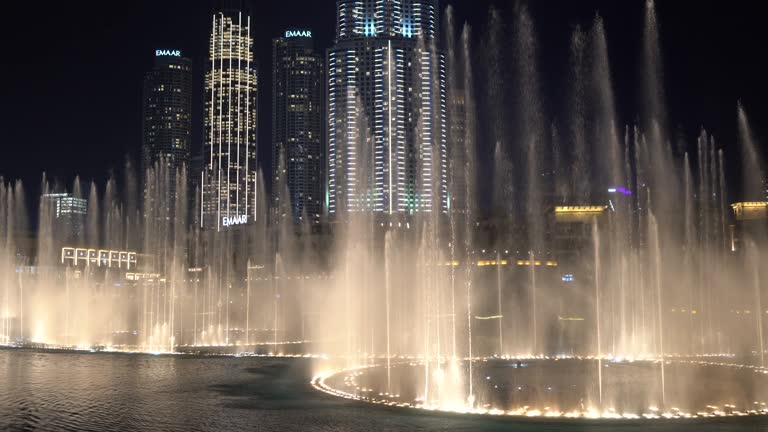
(369, 395)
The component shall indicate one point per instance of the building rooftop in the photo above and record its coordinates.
(753, 210)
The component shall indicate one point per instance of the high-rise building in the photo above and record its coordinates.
(69, 214)
(387, 137)
(298, 114)
(457, 115)
(229, 151)
(167, 126)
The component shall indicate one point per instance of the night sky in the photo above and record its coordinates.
(72, 71)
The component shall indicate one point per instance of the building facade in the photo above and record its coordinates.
(457, 131)
(167, 130)
(387, 137)
(229, 151)
(298, 115)
(69, 215)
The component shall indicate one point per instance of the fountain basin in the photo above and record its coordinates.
(562, 389)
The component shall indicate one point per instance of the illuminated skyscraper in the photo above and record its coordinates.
(229, 152)
(167, 125)
(387, 137)
(298, 114)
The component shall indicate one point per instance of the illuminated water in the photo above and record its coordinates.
(116, 392)
(564, 388)
(646, 267)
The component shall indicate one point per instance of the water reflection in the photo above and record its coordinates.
(118, 392)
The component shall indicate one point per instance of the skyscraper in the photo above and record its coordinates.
(229, 152)
(69, 214)
(298, 113)
(387, 149)
(167, 124)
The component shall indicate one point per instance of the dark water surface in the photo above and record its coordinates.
(120, 392)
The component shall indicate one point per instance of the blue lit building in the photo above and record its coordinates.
(387, 132)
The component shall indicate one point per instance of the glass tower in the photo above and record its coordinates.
(229, 152)
(298, 111)
(387, 137)
(167, 125)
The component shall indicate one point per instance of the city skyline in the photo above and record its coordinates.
(712, 88)
(406, 215)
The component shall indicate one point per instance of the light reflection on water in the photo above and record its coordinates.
(118, 392)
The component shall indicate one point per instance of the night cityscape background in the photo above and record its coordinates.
(384, 215)
(73, 102)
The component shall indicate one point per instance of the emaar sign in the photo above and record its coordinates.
(228, 221)
(298, 33)
(165, 53)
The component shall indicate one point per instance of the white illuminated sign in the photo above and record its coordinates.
(172, 53)
(234, 220)
(298, 33)
(100, 258)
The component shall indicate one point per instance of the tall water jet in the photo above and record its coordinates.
(530, 132)
(653, 229)
(756, 233)
(388, 258)
(653, 73)
(131, 202)
(470, 190)
(753, 169)
(607, 135)
(598, 336)
(12, 218)
(456, 161)
(580, 166)
(689, 246)
(499, 299)
(610, 171)
(753, 255)
(92, 235)
(653, 120)
(495, 102)
(722, 195)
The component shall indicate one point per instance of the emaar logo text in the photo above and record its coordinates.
(298, 33)
(173, 53)
(234, 220)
